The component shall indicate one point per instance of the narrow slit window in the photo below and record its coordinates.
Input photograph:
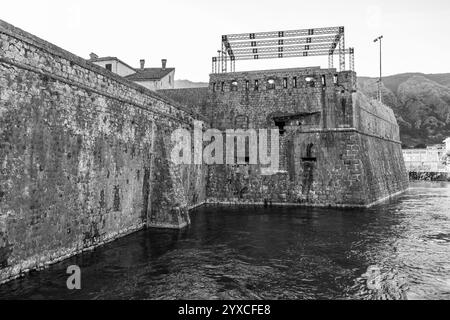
(295, 82)
(285, 83)
(309, 150)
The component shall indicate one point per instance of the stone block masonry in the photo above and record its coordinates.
(337, 148)
(84, 156)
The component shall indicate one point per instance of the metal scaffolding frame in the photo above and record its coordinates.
(328, 41)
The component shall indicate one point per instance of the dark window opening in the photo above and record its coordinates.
(247, 159)
(335, 79)
(309, 153)
(309, 150)
(324, 80)
(214, 86)
(285, 83)
(256, 85)
(343, 104)
(108, 66)
(222, 87)
(280, 125)
(270, 84)
(247, 85)
(295, 82)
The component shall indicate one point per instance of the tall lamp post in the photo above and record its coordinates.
(379, 80)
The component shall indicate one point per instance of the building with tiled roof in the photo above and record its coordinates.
(151, 78)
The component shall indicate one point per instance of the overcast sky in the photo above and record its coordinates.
(188, 32)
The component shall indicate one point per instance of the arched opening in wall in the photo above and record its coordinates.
(335, 79)
(285, 83)
(271, 84)
(222, 88)
(309, 153)
(310, 82)
(324, 80)
(256, 85)
(247, 85)
(234, 85)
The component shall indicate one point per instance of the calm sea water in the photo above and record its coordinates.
(396, 250)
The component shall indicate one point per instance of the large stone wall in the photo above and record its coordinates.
(84, 156)
(355, 156)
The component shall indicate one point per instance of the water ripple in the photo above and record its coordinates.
(396, 250)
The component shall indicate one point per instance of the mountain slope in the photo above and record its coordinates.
(421, 103)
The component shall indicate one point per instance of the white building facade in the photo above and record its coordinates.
(150, 78)
(431, 159)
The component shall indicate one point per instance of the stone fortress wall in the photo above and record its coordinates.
(84, 156)
(337, 147)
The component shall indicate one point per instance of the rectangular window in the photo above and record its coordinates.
(324, 80)
(108, 66)
(214, 87)
(285, 83)
(247, 85)
(256, 85)
(295, 82)
(222, 87)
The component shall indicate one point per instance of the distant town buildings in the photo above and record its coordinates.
(434, 158)
(151, 78)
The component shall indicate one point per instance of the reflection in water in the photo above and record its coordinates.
(396, 250)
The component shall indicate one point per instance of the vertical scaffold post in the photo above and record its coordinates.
(330, 60)
(341, 49)
(224, 55)
(352, 59)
